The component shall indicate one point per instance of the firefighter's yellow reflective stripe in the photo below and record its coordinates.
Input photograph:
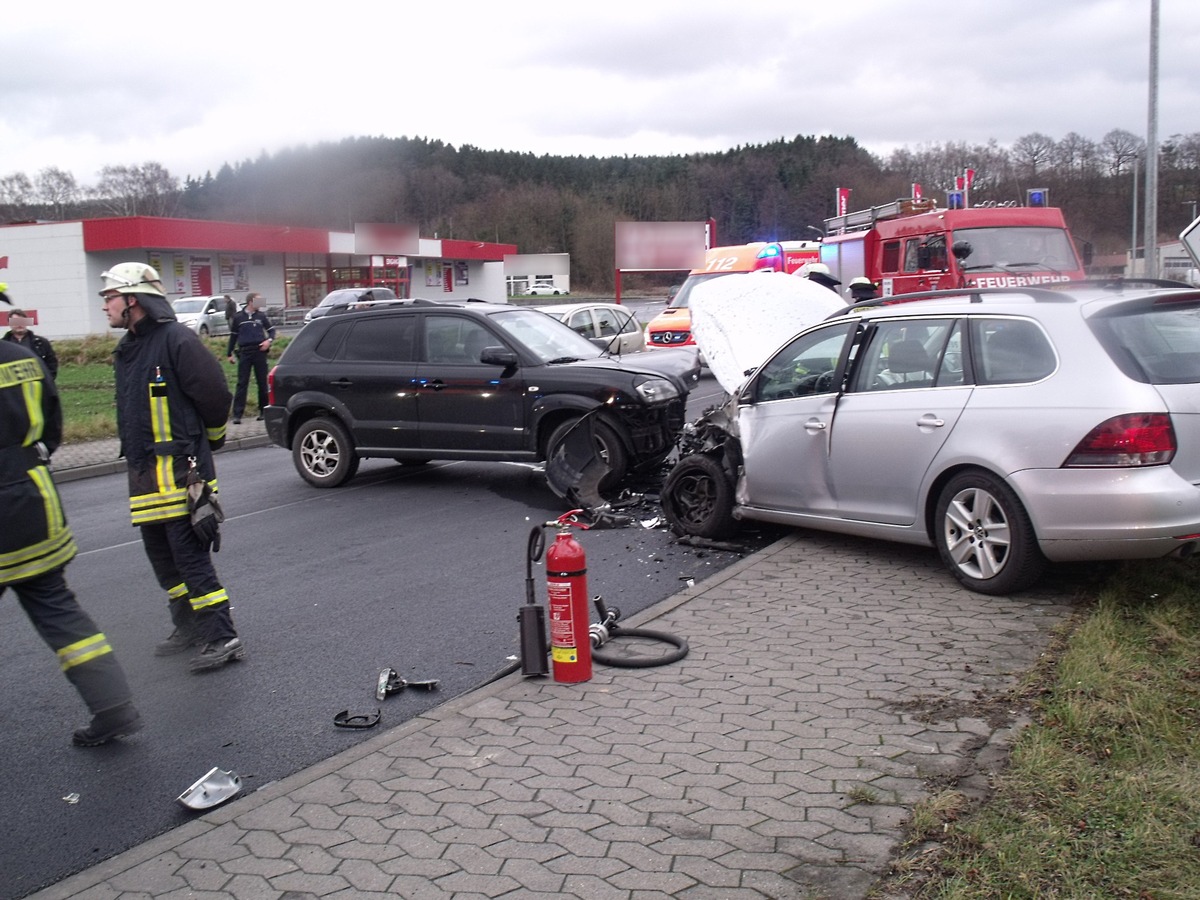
(83, 651)
(210, 599)
(37, 559)
(28, 374)
(147, 508)
(52, 552)
(55, 520)
(160, 426)
(215, 434)
(162, 513)
(180, 590)
(20, 371)
(161, 506)
(33, 405)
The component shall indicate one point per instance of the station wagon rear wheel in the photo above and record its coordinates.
(323, 453)
(984, 535)
(697, 498)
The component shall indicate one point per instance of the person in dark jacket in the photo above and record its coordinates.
(36, 544)
(19, 333)
(250, 335)
(172, 403)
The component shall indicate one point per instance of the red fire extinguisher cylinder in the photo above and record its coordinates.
(566, 583)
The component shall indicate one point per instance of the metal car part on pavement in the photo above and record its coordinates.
(213, 788)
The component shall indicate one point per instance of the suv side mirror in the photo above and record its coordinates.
(498, 356)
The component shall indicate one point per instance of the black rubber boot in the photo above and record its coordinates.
(111, 723)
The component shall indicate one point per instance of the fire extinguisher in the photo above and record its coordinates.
(566, 583)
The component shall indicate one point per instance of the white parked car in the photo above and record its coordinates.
(204, 315)
(609, 326)
(542, 289)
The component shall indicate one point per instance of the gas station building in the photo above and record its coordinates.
(52, 269)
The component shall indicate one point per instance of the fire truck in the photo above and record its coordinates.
(912, 245)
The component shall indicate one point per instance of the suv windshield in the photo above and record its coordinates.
(547, 338)
(1020, 248)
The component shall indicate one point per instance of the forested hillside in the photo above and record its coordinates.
(569, 204)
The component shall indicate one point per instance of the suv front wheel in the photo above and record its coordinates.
(609, 448)
(323, 453)
(984, 535)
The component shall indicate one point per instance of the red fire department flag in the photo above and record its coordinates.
(969, 175)
(916, 195)
(958, 183)
(843, 201)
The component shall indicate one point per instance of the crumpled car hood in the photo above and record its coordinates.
(738, 322)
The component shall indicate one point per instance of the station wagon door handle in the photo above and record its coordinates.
(929, 420)
(341, 383)
(437, 384)
(814, 425)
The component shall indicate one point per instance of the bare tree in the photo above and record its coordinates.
(1076, 156)
(1119, 148)
(1032, 153)
(16, 196)
(56, 189)
(145, 190)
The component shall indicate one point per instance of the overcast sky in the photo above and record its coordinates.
(193, 86)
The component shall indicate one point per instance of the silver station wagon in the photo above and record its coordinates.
(1008, 428)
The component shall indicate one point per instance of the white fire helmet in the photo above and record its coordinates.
(132, 278)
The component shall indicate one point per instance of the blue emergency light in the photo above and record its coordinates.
(770, 257)
(955, 200)
(1038, 197)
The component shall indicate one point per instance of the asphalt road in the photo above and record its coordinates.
(419, 569)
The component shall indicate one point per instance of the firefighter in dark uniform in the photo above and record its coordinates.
(36, 544)
(172, 404)
(250, 334)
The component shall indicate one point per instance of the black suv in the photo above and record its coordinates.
(417, 380)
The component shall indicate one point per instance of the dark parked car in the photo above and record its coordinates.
(418, 380)
(346, 298)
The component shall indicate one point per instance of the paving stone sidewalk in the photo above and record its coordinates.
(780, 758)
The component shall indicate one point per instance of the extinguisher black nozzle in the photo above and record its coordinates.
(535, 648)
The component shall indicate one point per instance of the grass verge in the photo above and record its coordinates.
(87, 390)
(1101, 797)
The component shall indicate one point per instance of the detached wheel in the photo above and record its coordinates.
(323, 453)
(984, 535)
(608, 447)
(697, 498)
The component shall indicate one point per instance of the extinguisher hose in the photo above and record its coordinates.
(600, 655)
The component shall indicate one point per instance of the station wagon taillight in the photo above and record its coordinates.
(1138, 439)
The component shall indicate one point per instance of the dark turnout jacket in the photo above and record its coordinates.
(34, 536)
(172, 406)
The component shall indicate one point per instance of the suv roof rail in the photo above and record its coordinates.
(1117, 282)
(1037, 294)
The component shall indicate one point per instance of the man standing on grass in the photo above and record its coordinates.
(19, 333)
(250, 334)
(36, 544)
(172, 402)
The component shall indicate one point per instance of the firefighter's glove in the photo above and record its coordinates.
(204, 510)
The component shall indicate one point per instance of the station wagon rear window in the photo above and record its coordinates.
(1154, 342)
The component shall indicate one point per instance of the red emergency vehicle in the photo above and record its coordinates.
(673, 326)
(911, 245)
